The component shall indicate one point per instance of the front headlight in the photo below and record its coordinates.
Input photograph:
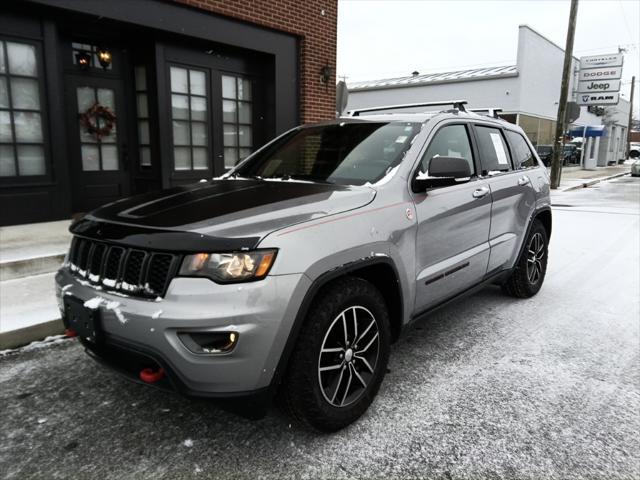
(229, 267)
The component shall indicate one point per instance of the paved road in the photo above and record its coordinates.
(489, 388)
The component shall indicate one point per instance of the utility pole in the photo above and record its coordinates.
(633, 86)
(556, 164)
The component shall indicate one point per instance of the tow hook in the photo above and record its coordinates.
(149, 375)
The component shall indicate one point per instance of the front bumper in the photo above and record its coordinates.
(262, 313)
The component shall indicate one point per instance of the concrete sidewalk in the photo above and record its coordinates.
(574, 177)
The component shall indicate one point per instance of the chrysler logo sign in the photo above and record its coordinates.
(597, 61)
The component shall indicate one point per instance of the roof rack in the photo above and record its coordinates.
(459, 104)
(490, 112)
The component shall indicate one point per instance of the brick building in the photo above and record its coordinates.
(100, 100)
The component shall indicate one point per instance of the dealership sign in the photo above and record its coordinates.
(599, 61)
(609, 73)
(598, 98)
(599, 86)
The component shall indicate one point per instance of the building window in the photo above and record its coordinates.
(237, 116)
(99, 153)
(142, 110)
(21, 137)
(91, 52)
(190, 122)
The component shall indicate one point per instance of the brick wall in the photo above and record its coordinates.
(317, 33)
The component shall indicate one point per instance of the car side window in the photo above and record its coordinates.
(449, 141)
(494, 154)
(523, 157)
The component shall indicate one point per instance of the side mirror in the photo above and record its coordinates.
(443, 171)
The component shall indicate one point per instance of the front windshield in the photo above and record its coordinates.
(346, 153)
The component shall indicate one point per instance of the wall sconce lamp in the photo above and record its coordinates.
(104, 57)
(83, 59)
(325, 74)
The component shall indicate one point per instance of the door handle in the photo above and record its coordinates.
(480, 192)
(522, 181)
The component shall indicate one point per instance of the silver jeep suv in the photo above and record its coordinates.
(290, 276)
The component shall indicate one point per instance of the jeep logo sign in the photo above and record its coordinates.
(599, 86)
(611, 73)
(598, 98)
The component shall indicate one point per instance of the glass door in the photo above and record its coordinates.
(96, 122)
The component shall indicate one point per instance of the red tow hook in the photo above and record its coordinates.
(149, 375)
(70, 332)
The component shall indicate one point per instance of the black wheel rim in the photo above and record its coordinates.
(348, 356)
(535, 255)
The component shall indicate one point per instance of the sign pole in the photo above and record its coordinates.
(556, 164)
(633, 85)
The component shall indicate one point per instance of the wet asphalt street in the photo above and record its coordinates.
(491, 387)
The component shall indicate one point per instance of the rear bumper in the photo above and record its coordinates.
(139, 333)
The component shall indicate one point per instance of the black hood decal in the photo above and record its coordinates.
(182, 206)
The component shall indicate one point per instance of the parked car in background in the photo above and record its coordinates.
(294, 272)
(545, 152)
(634, 150)
(571, 154)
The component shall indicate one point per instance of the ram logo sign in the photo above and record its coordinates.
(599, 98)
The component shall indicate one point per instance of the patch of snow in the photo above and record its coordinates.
(188, 443)
(114, 307)
(94, 303)
(156, 314)
(42, 420)
(109, 282)
(37, 345)
(66, 287)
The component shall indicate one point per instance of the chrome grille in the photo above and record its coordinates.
(128, 270)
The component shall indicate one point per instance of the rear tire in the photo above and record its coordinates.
(340, 358)
(528, 275)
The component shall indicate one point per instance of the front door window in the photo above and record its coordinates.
(237, 118)
(97, 129)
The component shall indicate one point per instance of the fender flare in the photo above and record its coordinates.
(310, 295)
(536, 213)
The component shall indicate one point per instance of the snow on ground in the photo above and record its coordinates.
(490, 387)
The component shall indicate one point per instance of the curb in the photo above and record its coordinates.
(12, 269)
(24, 336)
(594, 181)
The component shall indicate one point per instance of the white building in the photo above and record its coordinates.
(527, 93)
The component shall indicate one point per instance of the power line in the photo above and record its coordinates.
(624, 17)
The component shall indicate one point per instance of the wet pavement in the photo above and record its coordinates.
(490, 387)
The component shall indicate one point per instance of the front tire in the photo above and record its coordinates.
(528, 275)
(340, 358)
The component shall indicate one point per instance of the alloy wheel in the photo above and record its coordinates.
(348, 356)
(535, 254)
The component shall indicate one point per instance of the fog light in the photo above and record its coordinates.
(209, 342)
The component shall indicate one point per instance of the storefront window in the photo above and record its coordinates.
(237, 116)
(21, 138)
(189, 100)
